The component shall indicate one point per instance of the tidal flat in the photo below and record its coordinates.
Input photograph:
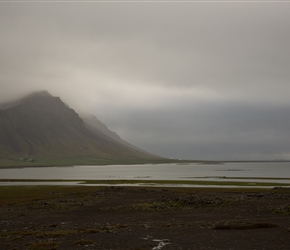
(90, 217)
(231, 183)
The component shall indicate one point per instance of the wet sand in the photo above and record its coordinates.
(145, 218)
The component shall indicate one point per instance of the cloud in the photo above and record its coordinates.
(202, 130)
(179, 79)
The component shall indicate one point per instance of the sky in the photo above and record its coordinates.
(205, 80)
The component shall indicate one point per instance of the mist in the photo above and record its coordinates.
(182, 80)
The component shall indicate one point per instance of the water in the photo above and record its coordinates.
(156, 172)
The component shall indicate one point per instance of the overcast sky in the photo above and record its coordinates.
(193, 80)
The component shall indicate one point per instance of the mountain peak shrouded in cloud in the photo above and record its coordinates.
(194, 80)
(41, 125)
(28, 97)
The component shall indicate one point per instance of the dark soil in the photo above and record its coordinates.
(148, 218)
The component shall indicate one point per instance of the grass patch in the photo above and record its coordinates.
(18, 194)
(59, 233)
(176, 203)
(39, 234)
(23, 233)
(145, 207)
(243, 225)
(104, 229)
(84, 242)
(12, 195)
(285, 210)
(16, 161)
(180, 182)
(49, 245)
(159, 205)
(241, 178)
(154, 183)
(92, 230)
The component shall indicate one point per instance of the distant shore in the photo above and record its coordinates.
(155, 183)
(71, 161)
(67, 162)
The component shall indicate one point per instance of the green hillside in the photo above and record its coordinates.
(41, 129)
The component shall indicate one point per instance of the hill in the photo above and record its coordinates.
(41, 129)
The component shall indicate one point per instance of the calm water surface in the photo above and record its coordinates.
(153, 172)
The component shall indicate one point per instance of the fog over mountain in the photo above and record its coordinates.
(194, 80)
(41, 125)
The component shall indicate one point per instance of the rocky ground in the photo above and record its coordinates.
(146, 218)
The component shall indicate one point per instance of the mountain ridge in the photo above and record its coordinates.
(41, 125)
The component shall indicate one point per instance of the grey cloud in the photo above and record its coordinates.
(209, 131)
(202, 80)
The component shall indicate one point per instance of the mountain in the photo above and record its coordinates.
(42, 126)
(96, 125)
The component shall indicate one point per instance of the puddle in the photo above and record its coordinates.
(161, 242)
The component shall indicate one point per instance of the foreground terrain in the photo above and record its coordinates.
(62, 217)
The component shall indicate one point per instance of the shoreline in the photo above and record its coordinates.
(151, 183)
(113, 162)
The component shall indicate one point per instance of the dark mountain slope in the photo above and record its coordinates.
(97, 126)
(41, 125)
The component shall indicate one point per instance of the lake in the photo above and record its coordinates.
(210, 172)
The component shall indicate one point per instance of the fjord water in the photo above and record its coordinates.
(155, 172)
